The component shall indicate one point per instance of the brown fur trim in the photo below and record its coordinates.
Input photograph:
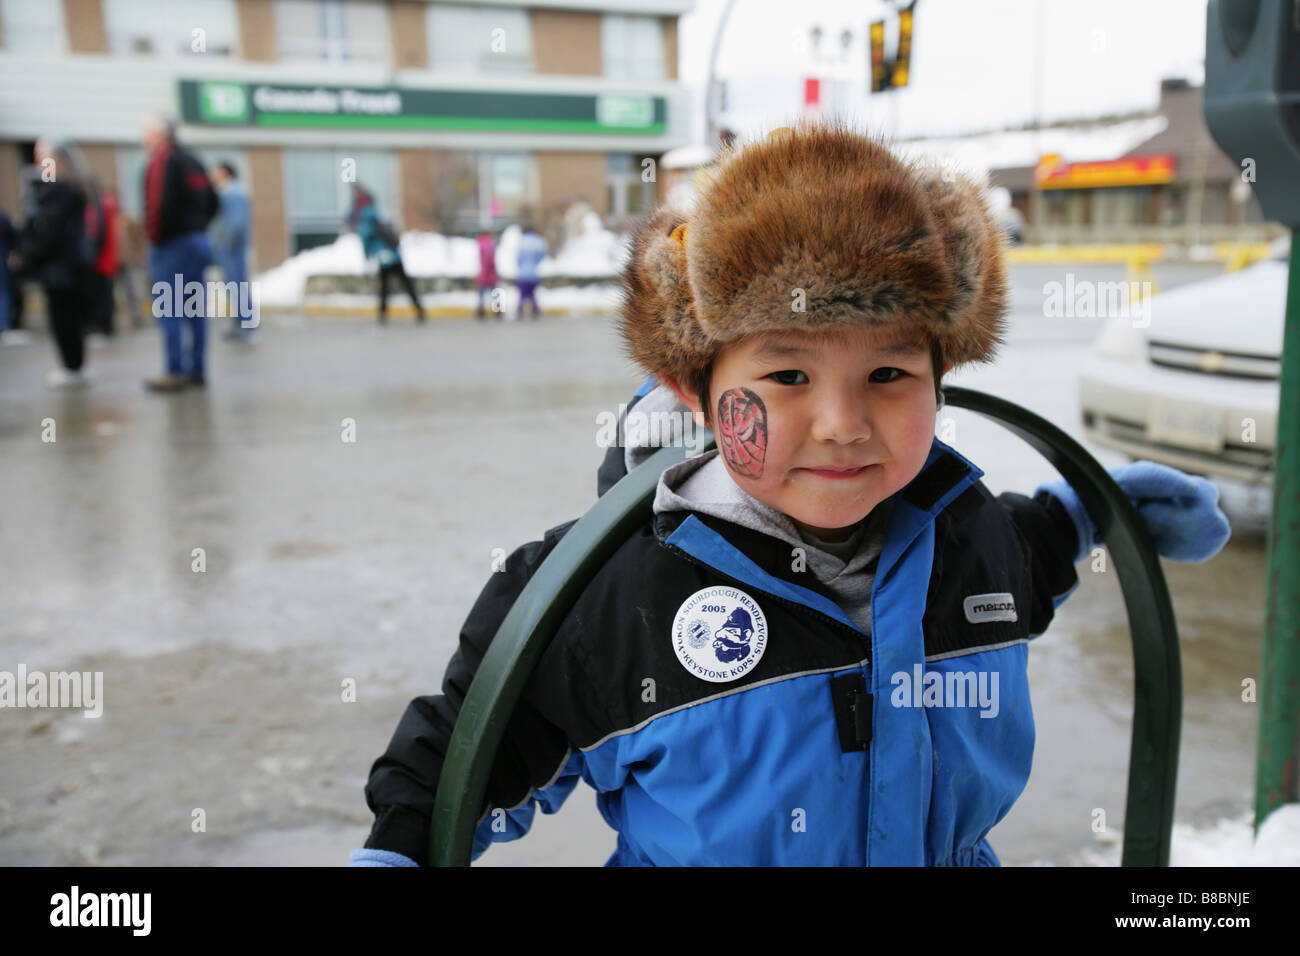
(976, 247)
(657, 314)
(822, 229)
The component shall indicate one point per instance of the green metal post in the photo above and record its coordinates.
(1277, 779)
(1157, 663)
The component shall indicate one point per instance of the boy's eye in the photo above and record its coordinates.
(782, 378)
(782, 381)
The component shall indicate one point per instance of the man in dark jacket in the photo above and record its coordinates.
(179, 202)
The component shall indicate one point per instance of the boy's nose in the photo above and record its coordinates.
(842, 416)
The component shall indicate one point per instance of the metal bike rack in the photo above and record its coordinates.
(543, 604)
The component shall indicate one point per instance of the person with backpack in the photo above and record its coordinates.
(52, 248)
(179, 202)
(380, 242)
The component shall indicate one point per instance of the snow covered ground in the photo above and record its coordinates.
(1229, 842)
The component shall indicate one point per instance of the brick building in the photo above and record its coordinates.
(457, 116)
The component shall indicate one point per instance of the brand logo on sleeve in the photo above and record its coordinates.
(719, 634)
(981, 608)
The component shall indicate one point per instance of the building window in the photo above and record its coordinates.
(319, 187)
(32, 27)
(146, 28)
(332, 31)
(632, 48)
(483, 190)
(629, 195)
(1173, 206)
(1120, 205)
(478, 40)
(1063, 207)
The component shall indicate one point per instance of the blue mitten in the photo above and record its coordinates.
(370, 857)
(1180, 511)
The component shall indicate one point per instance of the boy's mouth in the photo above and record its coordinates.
(848, 472)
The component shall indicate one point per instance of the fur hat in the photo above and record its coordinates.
(819, 229)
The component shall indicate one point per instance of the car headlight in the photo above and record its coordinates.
(1120, 340)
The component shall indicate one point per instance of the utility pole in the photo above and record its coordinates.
(712, 94)
(1251, 90)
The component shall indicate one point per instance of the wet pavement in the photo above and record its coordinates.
(330, 564)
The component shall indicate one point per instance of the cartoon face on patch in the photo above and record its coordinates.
(731, 641)
(719, 634)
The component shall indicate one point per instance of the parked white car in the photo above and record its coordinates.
(1196, 387)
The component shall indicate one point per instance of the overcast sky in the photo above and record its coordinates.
(973, 61)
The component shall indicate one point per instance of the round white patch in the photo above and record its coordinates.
(719, 634)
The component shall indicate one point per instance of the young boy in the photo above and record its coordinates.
(815, 652)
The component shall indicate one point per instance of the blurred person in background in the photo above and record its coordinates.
(487, 277)
(29, 176)
(532, 250)
(101, 234)
(229, 236)
(179, 202)
(52, 249)
(380, 242)
(132, 260)
(8, 240)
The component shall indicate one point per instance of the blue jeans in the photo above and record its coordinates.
(4, 293)
(173, 266)
(234, 268)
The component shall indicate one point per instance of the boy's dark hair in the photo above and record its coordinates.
(230, 170)
(701, 383)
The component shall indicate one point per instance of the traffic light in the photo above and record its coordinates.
(1252, 97)
(892, 74)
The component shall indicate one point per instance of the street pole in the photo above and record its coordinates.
(711, 96)
(1277, 778)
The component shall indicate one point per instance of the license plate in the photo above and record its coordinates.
(1188, 426)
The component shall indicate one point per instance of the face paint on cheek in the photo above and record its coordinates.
(742, 431)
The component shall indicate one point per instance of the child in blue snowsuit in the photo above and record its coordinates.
(815, 651)
(532, 250)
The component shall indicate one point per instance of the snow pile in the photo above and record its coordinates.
(433, 254)
(592, 253)
(1230, 842)
(595, 251)
(284, 285)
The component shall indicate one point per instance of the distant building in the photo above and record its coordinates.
(459, 116)
(1176, 183)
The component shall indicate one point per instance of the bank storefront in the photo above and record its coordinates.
(440, 154)
(401, 143)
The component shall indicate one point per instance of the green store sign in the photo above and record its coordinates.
(224, 103)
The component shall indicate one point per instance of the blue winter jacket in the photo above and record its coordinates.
(532, 250)
(801, 741)
(228, 231)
